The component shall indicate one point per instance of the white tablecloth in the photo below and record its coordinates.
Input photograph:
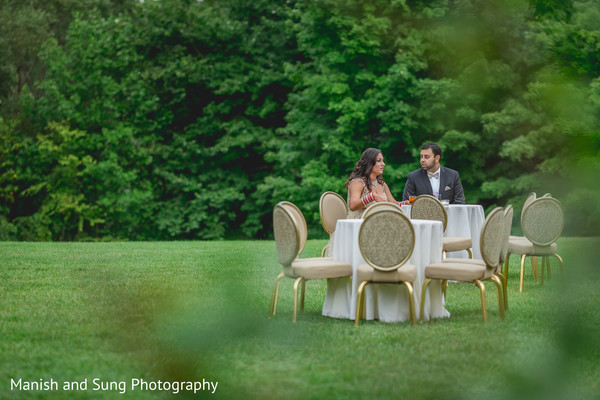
(388, 303)
(464, 220)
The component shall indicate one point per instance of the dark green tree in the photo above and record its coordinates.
(179, 119)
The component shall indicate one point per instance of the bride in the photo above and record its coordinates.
(366, 185)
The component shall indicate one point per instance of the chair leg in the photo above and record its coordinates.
(443, 254)
(423, 290)
(504, 289)
(498, 283)
(360, 302)
(411, 302)
(273, 308)
(522, 272)
(323, 251)
(470, 253)
(297, 283)
(302, 293)
(542, 272)
(483, 306)
(534, 267)
(548, 267)
(506, 264)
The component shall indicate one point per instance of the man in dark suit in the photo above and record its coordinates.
(441, 182)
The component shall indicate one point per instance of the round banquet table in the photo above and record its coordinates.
(464, 220)
(385, 302)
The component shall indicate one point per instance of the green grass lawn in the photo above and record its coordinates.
(194, 311)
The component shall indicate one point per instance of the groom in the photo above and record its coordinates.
(441, 182)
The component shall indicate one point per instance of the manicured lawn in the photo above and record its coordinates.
(194, 311)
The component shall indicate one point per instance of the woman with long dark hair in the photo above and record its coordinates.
(366, 185)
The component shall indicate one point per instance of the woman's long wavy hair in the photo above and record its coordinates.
(364, 166)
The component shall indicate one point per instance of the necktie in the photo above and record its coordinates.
(435, 174)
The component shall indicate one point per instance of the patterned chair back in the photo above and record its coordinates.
(543, 221)
(532, 196)
(382, 206)
(299, 220)
(332, 207)
(492, 237)
(386, 239)
(508, 220)
(428, 207)
(287, 236)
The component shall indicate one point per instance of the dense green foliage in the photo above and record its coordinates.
(178, 119)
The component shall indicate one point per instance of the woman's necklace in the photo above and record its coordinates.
(374, 183)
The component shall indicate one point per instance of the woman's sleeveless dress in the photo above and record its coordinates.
(358, 213)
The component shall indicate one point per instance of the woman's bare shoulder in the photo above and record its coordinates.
(356, 180)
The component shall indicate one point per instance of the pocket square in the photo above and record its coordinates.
(447, 188)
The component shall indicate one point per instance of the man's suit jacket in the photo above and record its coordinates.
(417, 183)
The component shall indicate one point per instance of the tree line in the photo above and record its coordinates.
(184, 119)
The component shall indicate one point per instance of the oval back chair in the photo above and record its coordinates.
(543, 221)
(428, 207)
(531, 197)
(508, 220)
(332, 207)
(298, 216)
(384, 205)
(289, 230)
(492, 239)
(286, 233)
(468, 271)
(386, 240)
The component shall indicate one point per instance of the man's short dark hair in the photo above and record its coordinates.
(437, 150)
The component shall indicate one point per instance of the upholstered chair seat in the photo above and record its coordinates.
(513, 238)
(365, 272)
(472, 261)
(318, 268)
(457, 243)
(524, 246)
(467, 271)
